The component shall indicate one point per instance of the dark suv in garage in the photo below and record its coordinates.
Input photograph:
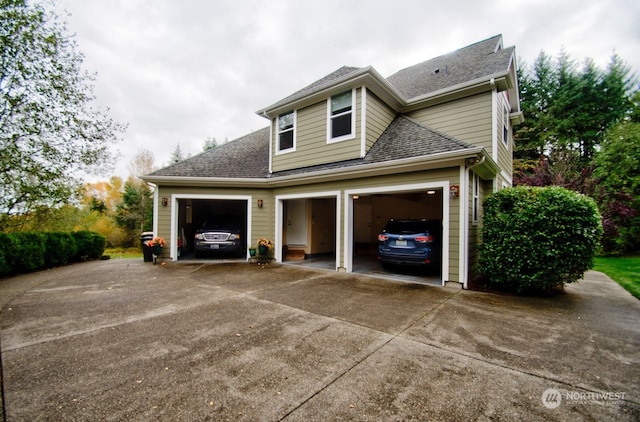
(219, 237)
(410, 242)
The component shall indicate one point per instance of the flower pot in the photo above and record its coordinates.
(157, 250)
(263, 249)
(252, 252)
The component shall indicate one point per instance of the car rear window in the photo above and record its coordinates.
(406, 227)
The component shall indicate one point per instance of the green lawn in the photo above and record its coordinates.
(625, 271)
(118, 253)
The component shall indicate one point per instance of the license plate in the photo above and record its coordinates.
(215, 246)
(401, 243)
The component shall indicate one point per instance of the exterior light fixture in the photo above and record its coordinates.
(260, 203)
(165, 201)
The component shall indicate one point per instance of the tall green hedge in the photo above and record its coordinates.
(537, 238)
(26, 252)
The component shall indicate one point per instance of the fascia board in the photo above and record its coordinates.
(206, 181)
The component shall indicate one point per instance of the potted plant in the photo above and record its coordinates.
(156, 244)
(263, 246)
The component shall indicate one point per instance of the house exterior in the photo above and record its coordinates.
(343, 155)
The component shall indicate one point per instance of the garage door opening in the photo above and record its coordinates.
(371, 212)
(309, 229)
(194, 213)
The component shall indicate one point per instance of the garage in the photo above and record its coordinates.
(371, 209)
(194, 213)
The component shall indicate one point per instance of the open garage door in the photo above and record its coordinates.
(371, 211)
(225, 223)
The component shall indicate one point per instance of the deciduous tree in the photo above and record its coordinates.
(50, 131)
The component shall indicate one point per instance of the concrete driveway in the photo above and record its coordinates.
(127, 340)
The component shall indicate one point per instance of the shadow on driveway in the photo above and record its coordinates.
(127, 340)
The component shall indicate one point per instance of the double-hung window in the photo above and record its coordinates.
(341, 116)
(286, 123)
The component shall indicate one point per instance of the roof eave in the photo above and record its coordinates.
(206, 181)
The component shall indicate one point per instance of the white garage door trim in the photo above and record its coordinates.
(280, 212)
(348, 219)
(173, 250)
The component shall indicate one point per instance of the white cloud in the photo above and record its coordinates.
(179, 72)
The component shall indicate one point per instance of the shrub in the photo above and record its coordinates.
(26, 252)
(90, 245)
(5, 265)
(537, 238)
(60, 248)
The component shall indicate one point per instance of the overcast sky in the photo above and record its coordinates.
(179, 72)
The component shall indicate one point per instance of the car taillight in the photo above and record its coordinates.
(424, 239)
(382, 237)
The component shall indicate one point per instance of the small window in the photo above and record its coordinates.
(341, 116)
(285, 131)
(476, 198)
(505, 127)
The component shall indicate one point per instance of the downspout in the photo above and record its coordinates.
(465, 246)
(155, 206)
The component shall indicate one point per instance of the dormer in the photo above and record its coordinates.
(330, 120)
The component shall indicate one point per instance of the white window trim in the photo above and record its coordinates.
(351, 135)
(475, 201)
(505, 125)
(294, 129)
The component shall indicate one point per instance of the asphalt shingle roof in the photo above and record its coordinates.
(246, 157)
(337, 74)
(476, 61)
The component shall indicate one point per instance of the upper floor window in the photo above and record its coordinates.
(341, 116)
(286, 131)
(505, 127)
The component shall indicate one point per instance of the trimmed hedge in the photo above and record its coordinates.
(537, 238)
(26, 252)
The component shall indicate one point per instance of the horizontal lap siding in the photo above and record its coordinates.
(379, 116)
(467, 119)
(505, 152)
(311, 140)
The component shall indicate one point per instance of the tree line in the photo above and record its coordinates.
(582, 132)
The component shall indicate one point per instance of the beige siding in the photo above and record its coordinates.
(505, 147)
(311, 146)
(379, 116)
(467, 119)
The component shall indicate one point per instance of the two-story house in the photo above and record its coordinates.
(354, 149)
